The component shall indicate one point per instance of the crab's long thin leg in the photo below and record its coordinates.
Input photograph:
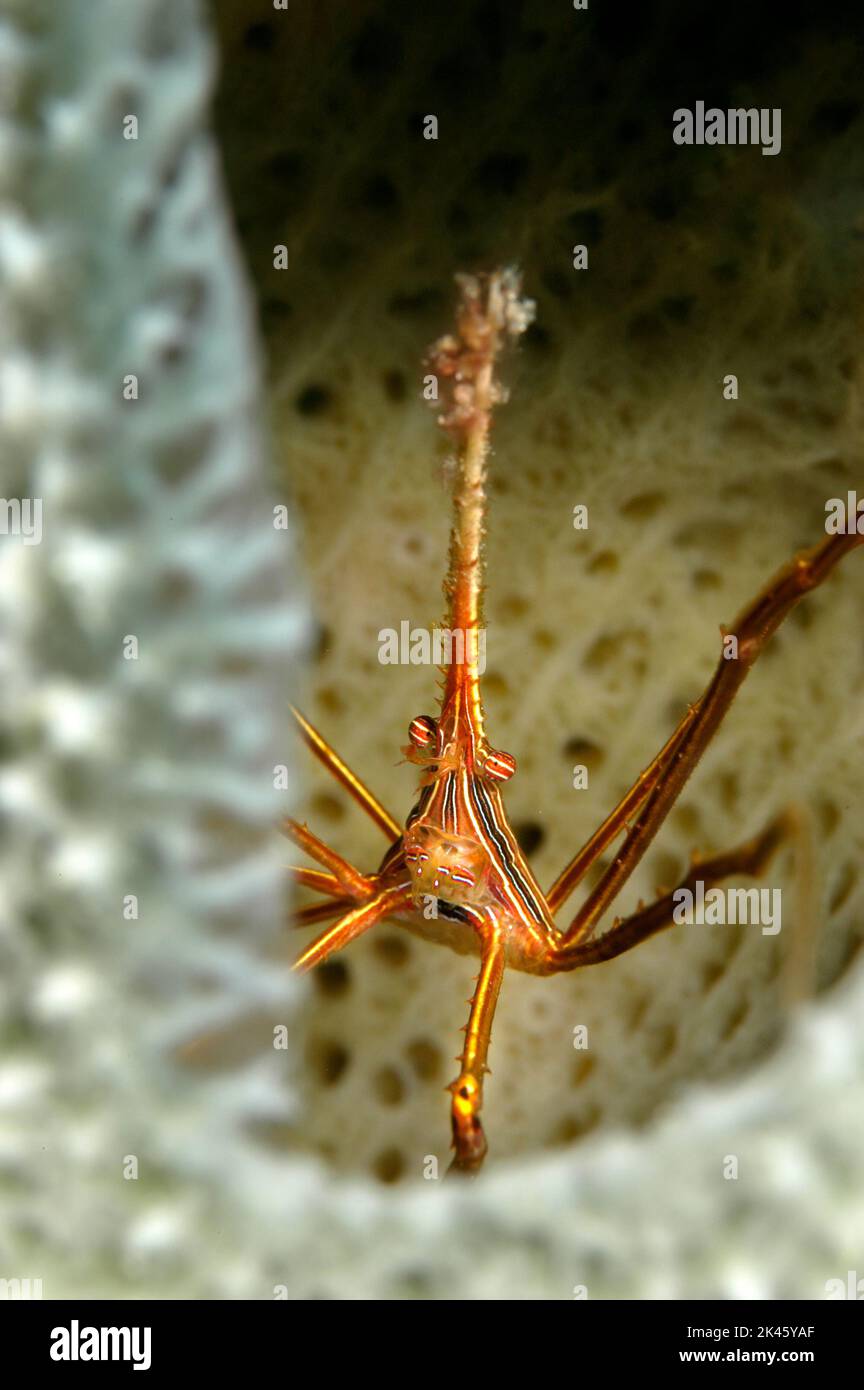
(645, 783)
(349, 927)
(750, 859)
(353, 883)
(349, 780)
(798, 981)
(752, 630)
(319, 912)
(469, 1141)
(314, 878)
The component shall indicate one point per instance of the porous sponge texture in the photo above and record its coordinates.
(145, 649)
(702, 263)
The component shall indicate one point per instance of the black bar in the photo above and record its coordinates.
(233, 1337)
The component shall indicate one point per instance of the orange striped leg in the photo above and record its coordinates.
(353, 924)
(469, 1141)
(313, 878)
(353, 883)
(322, 883)
(645, 783)
(750, 859)
(349, 780)
(318, 912)
(752, 630)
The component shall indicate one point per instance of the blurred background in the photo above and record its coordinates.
(150, 1037)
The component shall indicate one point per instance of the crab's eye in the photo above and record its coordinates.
(499, 767)
(423, 731)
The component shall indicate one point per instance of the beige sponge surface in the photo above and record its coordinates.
(701, 264)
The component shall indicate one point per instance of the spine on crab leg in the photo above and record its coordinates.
(490, 311)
